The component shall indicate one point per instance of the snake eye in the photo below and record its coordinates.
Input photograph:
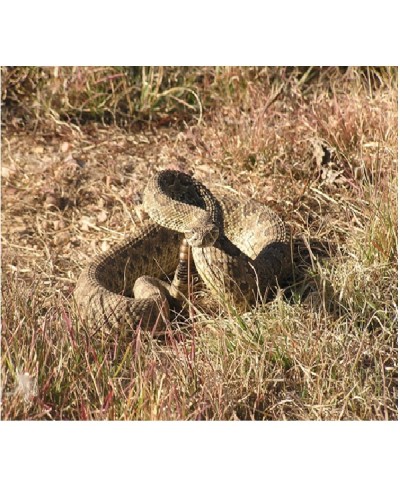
(194, 237)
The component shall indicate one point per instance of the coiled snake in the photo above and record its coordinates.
(240, 249)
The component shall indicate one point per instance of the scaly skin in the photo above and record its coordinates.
(240, 249)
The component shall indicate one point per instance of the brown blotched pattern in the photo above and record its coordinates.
(240, 249)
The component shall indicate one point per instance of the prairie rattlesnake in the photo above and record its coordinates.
(239, 249)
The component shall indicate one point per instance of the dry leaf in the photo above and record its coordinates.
(102, 217)
(5, 172)
(62, 238)
(86, 223)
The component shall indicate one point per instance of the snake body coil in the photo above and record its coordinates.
(240, 249)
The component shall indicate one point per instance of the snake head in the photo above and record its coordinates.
(202, 236)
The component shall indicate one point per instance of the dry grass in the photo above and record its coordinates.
(318, 145)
